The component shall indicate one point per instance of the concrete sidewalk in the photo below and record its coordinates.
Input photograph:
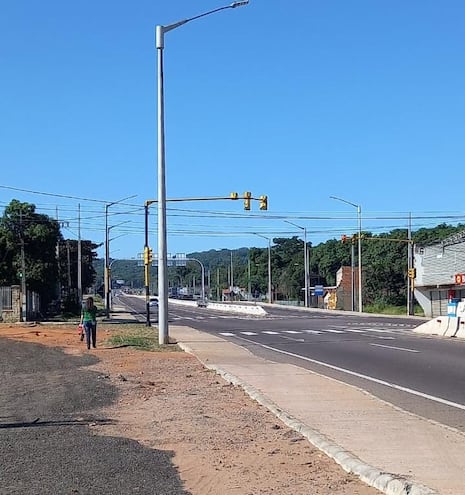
(390, 449)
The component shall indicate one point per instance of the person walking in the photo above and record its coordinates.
(89, 321)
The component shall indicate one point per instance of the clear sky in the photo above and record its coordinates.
(299, 100)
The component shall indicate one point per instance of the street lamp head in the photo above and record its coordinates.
(239, 4)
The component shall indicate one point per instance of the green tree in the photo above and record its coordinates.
(68, 267)
(22, 230)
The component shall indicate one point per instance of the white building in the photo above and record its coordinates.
(438, 274)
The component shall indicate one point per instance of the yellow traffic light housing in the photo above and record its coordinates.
(412, 273)
(247, 197)
(263, 202)
(234, 195)
(148, 255)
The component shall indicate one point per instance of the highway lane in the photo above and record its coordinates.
(422, 374)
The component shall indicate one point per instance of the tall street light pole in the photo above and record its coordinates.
(359, 219)
(107, 254)
(110, 262)
(270, 289)
(162, 244)
(306, 270)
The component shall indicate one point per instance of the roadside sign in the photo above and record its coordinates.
(319, 290)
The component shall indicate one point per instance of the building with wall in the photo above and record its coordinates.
(438, 270)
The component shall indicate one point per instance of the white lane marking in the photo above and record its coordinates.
(316, 332)
(270, 332)
(332, 331)
(382, 337)
(354, 330)
(291, 338)
(290, 331)
(365, 377)
(395, 348)
(377, 330)
(249, 333)
(227, 334)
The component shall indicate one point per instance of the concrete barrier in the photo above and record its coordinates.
(238, 308)
(230, 308)
(461, 329)
(445, 326)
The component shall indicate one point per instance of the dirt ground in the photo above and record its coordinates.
(224, 442)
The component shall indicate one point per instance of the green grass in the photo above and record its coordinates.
(385, 309)
(138, 336)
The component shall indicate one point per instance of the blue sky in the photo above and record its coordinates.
(299, 100)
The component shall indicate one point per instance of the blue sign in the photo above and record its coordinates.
(319, 290)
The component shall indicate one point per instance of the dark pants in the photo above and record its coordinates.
(90, 327)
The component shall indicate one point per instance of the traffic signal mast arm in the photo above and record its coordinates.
(247, 197)
(148, 251)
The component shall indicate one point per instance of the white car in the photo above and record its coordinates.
(153, 301)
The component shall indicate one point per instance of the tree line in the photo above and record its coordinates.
(32, 246)
(384, 263)
(34, 254)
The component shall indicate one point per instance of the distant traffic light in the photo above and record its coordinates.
(343, 238)
(412, 272)
(263, 202)
(247, 196)
(234, 195)
(148, 255)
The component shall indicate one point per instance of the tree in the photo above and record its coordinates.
(68, 268)
(23, 232)
(36, 239)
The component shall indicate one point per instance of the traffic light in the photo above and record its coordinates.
(263, 202)
(343, 238)
(148, 255)
(412, 272)
(234, 195)
(354, 238)
(247, 196)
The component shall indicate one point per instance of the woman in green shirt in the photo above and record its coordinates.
(89, 321)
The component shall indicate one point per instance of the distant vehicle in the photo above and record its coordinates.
(201, 303)
(153, 301)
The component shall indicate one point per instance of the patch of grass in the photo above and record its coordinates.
(138, 336)
(386, 309)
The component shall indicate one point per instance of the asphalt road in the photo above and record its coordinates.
(49, 405)
(421, 374)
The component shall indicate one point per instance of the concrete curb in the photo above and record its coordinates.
(387, 483)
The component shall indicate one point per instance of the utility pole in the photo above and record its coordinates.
(68, 258)
(106, 272)
(23, 282)
(410, 267)
(352, 267)
(249, 281)
(23, 271)
(79, 267)
(232, 274)
(306, 270)
(57, 254)
(147, 266)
